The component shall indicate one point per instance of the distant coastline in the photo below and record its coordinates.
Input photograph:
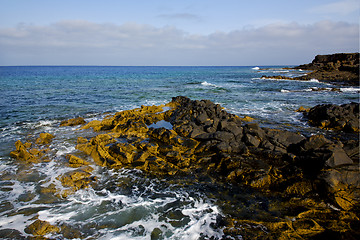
(339, 69)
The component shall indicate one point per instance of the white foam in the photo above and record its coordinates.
(255, 68)
(63, 150)
(17, 222)
(284, 91)
(314, 80)
(350, 89)
(52, 218)
(281, 71)
(205, 83)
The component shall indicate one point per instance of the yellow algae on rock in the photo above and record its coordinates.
(299, 188)
(76, 179)
(76, 161)
(44, 138)
(23, 153)
(247, 119)
(302, 109)
(95, 124)
(73, 122)
(41, 228)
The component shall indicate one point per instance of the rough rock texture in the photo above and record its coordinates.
(342, 68)
(73, 122)
(207, 141)
(339, 68)
(303, 176)
(330, 116)
(41, 228)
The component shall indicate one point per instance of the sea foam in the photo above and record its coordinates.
(205, 83)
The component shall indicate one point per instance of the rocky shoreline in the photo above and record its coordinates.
(338, 69)
(310, 186)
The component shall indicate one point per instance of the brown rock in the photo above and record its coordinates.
(76, 161)
(44, 138)
(41, 228)
(73, 122)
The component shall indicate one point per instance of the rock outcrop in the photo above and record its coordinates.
(339, 68)
(206, 141)
(329, 116)
(199, 140)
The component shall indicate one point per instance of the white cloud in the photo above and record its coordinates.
(343, 7)
(85, 43)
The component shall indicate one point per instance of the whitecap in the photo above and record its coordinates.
(281, 71)
(284, 91)
(350, 89)
(314, 80)
(255, 68)
(205, 83)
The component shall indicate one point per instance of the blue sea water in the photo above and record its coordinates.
(35, 99)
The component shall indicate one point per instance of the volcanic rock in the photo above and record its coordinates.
(329, 116)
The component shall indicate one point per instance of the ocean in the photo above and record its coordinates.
(126, 204)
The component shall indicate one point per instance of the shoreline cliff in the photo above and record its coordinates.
(338, 69)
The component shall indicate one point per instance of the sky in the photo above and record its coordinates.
(175, 33)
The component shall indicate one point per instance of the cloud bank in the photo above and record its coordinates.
(78, 42)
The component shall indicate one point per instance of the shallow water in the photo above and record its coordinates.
(126, 204)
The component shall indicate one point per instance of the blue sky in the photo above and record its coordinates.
(203, 32)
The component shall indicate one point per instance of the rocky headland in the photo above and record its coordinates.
(269, 183)
(339, 69)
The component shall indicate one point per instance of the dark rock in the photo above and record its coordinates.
(283, 138)
(329, 116)
(255, 130)
(344, 184)
(11, 234)
(251, 140)
(351, 147)
(222, 136)
(340, 68)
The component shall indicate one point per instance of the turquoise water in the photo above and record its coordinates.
(36, 99)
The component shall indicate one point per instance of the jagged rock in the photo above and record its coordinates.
(25, 152)
(329, 116)
(206, 142)
(335, 68)
(73, 122)
(44, 138)
(41, 228)
(76, 179)
(340, 68)
(303, 109)
(76, 161)
(344, 183)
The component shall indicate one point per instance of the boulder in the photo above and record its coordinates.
(41, 228)
(73, 122)
(344, 184)
(328, 116)
(44, 138)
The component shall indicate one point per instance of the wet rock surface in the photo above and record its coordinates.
(303, 187)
